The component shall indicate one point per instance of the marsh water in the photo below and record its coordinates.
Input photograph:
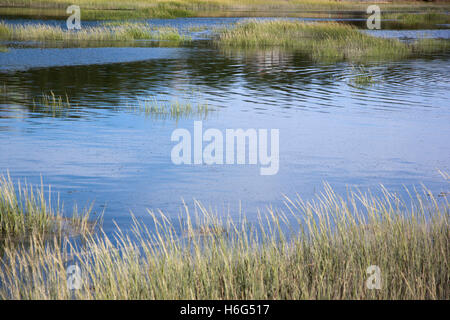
(394, 131)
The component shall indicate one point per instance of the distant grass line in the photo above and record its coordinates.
(424, 20)
(25, 211)
(319, 249)
(323, 41)
(134, 9)
(122, 32)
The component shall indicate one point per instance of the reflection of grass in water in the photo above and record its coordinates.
(325, 42)
(171, 109)
(122, 32)
(326, 256)
(25, 211)
(425, 20)
(3, 49)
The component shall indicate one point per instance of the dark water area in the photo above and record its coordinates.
(394, 132)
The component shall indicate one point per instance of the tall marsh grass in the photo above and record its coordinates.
(26, 211)
(317, 249)
(323, 41)
(120, 32)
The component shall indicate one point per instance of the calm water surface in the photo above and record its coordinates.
(395, 132)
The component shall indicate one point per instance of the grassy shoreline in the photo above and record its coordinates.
(136, 9)
(334, 241)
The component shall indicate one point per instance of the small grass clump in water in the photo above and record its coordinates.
(313, 250)
(25, 211)
(171, 109)
(362, 77)
(52, 104)
(322, 41)
(121, 32)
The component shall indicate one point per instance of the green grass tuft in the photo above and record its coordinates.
(174, 110)
(362, 77)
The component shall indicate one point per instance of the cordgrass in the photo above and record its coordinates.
(25, 211)
(319, 249)
(120, 32)
(323, 41)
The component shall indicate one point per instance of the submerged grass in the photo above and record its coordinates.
(120, 32)
(25, 211)
(323, 41)
(319, 249)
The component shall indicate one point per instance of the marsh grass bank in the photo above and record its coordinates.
(25, 211)
(139, 9)
(119, 32)
(319, 249)
(324, 41)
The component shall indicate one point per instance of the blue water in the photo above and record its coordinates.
(394, 132)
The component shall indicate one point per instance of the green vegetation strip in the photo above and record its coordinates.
(121, 32)
(136, 9)
(326, 256)
(324, 41)
(427, 20)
